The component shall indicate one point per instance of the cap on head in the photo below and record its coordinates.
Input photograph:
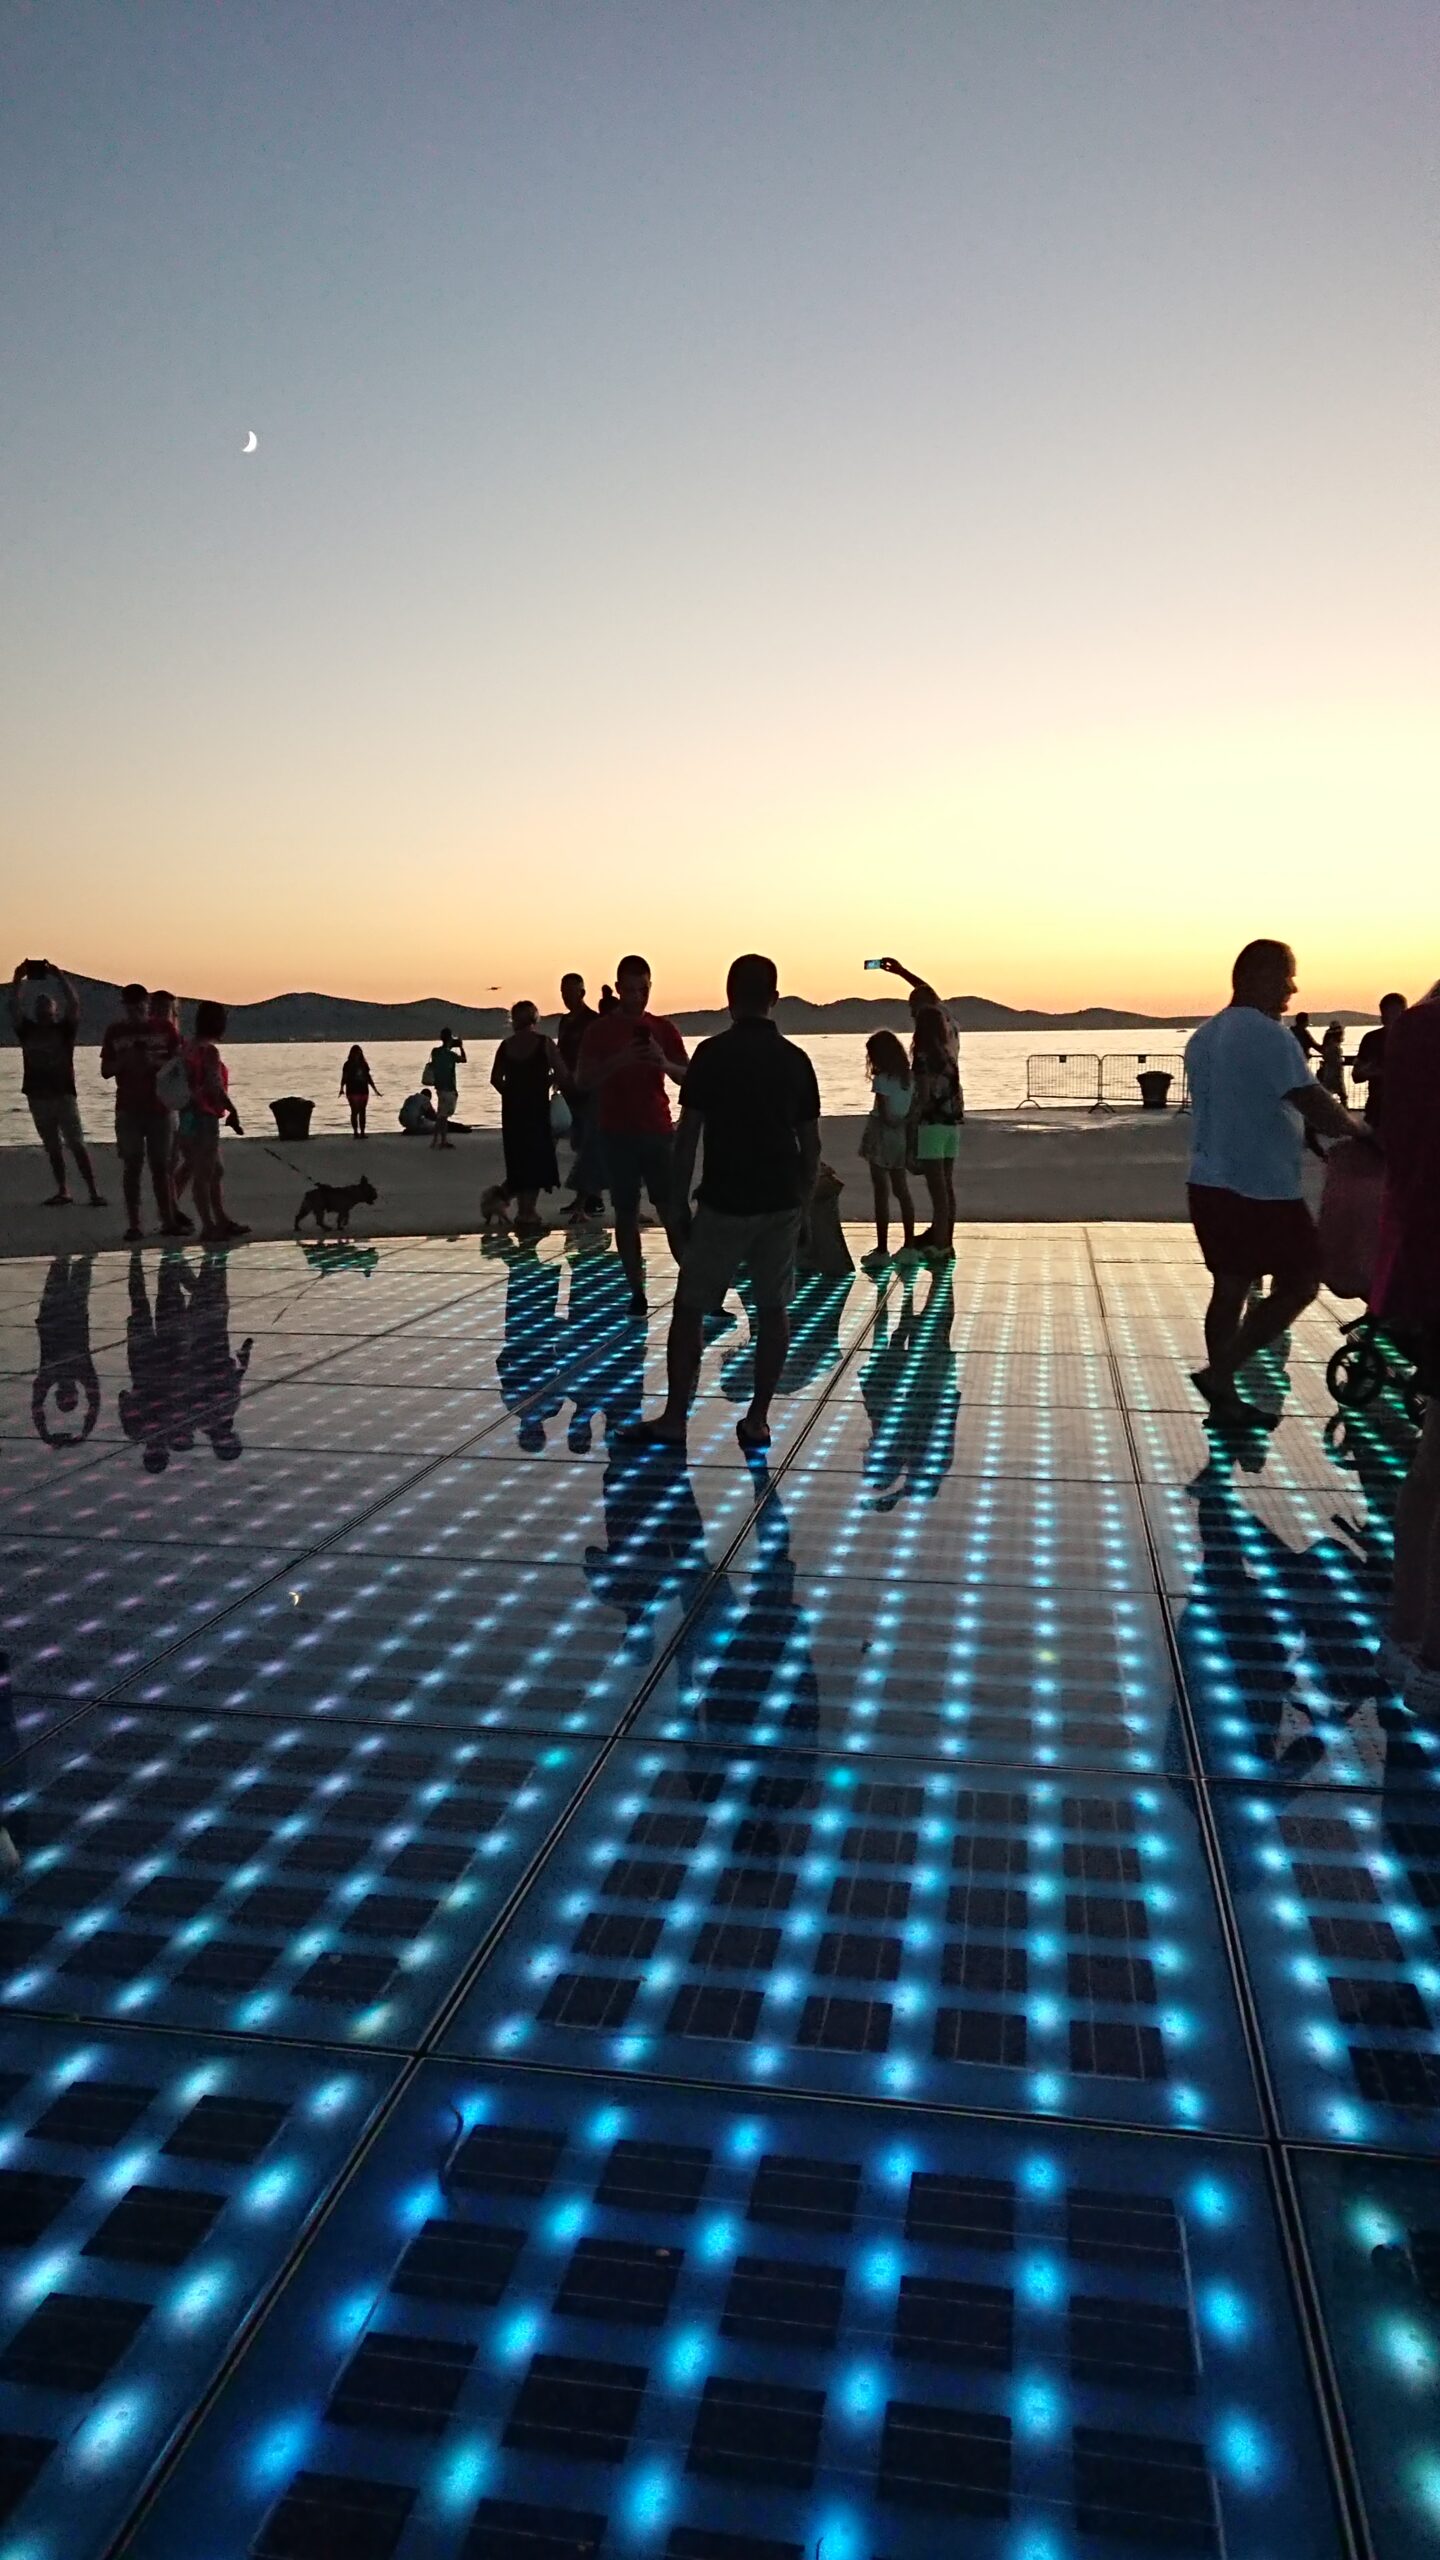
(752, 983)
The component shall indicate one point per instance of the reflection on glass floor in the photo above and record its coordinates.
(966, 1881)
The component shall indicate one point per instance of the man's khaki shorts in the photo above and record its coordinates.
(720, 1246)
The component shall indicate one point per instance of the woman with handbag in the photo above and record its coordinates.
(526, 1072)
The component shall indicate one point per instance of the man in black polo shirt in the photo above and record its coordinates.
(755, 1098)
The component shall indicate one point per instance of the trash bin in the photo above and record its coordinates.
(1154, 1089)
(292, 1116)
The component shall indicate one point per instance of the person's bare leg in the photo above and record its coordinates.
(880, 1190)
(627, 1245)
(87, 1175)
(900, 1185)
(772, 1341)
(157, 1155)
(1415, 1595)
(1265, 1318)
(1222, 1324)
(55, 1154)
(683, 1348)
(130, 1168)
(940, 1218)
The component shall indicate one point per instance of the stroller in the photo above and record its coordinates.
(1370, 1358)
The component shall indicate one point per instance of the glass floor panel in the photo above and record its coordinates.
(554, 2318)
(386, 1641)
(311, 1413)
(1337, 1899)
(1372, 2229)
(967, 1530)
(257, 1878)
(1295, 1690)
(993, 1676)
(1353, 1457)
(643, 1508)
(151, 2190)
(782, 1922)
(75, 1618)
(854, 1791)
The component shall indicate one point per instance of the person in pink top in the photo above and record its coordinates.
(1407, 1300)
(209, 1104)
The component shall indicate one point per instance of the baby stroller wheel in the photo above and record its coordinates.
(1356, 1372)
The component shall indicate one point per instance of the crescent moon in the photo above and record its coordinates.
(251, 441)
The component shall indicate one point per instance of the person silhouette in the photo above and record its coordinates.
(66, 1367)
(153, 1407)
(213, 1375)
(528, 1363)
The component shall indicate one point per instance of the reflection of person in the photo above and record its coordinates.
(528, 1364)
(911, 1393)
(626, 1058)
(526, 1068)
(214, 1375)
(66, 1368)
(357, 1084)
(756, 1100)
(1251, 1097)
(1408, 1295)
(1367, 1067)
(47, 1042)
(153, 1407)
(602, 1357)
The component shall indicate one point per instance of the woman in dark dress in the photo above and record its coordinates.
(525, 1074)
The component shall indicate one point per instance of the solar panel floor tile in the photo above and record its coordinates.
(1338, 1901)
(263, 1879)
(151, 2190)
(555, 2317)
(785, 1921)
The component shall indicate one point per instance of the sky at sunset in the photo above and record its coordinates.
(836, 476)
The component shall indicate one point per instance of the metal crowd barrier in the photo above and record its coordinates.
(1121, 1069)
(1102, 1083)
(1065, 1075)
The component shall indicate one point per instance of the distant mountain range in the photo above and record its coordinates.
(346, 1018)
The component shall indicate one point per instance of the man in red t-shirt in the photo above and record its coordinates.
(134, 1049)
(1407, 1298)
(624, 1062)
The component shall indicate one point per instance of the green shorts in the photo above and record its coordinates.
(936, 1143)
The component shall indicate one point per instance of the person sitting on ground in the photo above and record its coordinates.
(883, 1139)
(47, 1042)
(526, 1069)
(1407, 1299)
(137, 1044)
(755, 1098)
(934, 1127)
(625, 1060)
(357, 1084)
(1331, 1071)
(440, 1066)
(1367, 1067)
(1250, 1098)
(417, 1115)
(209, 1104)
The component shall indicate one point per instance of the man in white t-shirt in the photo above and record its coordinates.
(1252, 1097)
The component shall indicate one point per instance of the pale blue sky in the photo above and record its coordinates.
(845, 474)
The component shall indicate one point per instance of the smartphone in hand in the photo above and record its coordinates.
(874, 964)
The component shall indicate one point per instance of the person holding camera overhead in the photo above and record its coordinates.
(47, 1041)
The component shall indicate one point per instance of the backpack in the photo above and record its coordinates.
(172, 1083)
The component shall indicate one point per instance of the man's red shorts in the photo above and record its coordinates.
(1246, 1239)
